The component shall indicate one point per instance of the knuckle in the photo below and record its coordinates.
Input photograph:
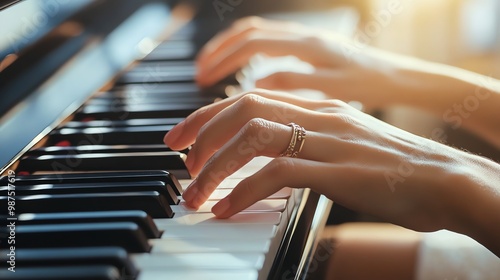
(330, 106)
(253, 126)
(249, 102)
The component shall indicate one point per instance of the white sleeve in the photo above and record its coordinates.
(446, 255)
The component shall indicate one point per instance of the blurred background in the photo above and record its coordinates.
(463, 33)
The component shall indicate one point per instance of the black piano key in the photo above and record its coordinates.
(85, 272)
(55, 257)
(158, 75)
(121, 234)
(171, 67)
(101, 177)
(171, 161)
(146, 100)
(125, 123)
(111, 135)
(141, 218)
(149, 201)
(163, 189)
(138, 112)
(173, 90)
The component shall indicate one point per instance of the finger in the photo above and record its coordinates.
(206, 59)
(239, 27)
(239, 54)
(338, 182)
(229, 121)
(184, 134)
(239, 30)
(279, 173)
(257, 138)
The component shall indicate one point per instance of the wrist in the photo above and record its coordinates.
(475, 202)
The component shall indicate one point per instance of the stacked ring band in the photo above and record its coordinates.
(296, 141)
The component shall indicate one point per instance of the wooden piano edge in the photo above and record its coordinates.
(296, 251)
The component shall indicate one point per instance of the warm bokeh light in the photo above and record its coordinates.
(464, 33)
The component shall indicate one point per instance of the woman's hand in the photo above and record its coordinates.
(352, 158)
(349, 71)
(343, 70)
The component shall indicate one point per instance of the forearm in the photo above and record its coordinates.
(459, 97)
(475, 202)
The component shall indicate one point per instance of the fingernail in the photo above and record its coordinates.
(190, 192)
(221, 207)
(174, 134)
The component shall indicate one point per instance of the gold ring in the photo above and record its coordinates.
(296, 141)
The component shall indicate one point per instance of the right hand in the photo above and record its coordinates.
(343, 70)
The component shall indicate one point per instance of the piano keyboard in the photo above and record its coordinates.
(102, 198)
(98, 195)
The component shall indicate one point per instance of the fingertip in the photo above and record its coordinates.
(190, 206)
(173, 135)
(221, 209)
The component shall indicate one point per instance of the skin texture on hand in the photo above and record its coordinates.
(354, 159)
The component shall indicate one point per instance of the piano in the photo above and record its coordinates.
(88, 190)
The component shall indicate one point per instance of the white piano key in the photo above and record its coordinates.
(227, 261)
(175, 274)
(250, 168)
(219, 194)
(203, 245)
(228, 183)
(185, 183)
(266, 205)
(193, 219)
(227, 231)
